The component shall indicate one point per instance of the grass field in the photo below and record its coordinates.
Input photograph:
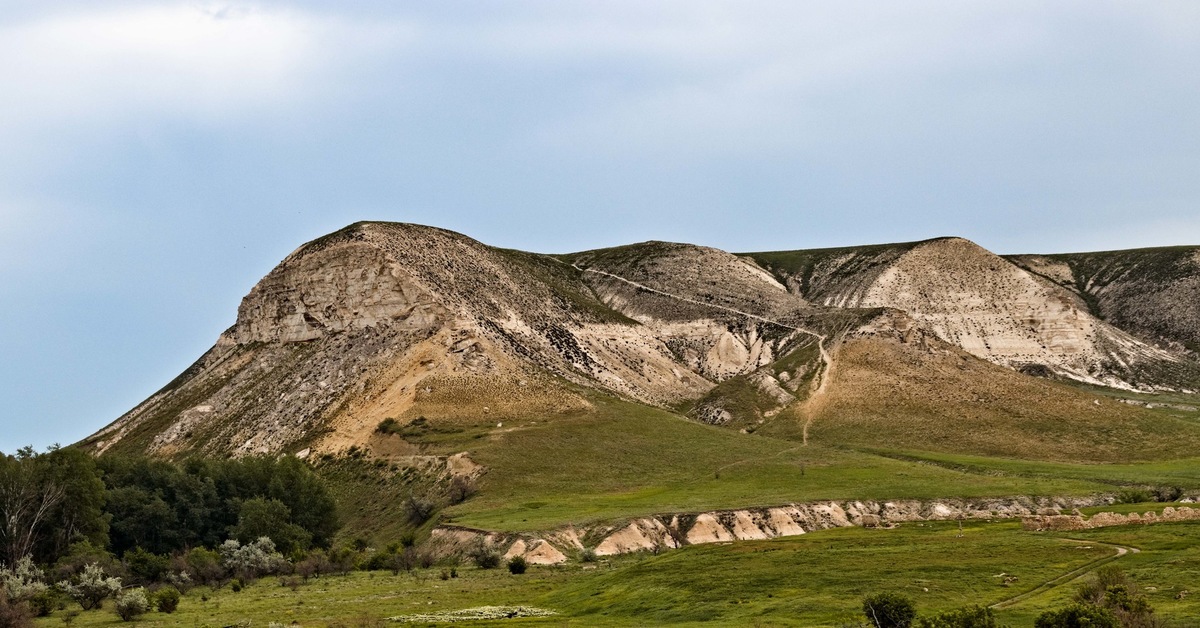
(816, 579)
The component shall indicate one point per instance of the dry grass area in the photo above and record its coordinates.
(887, 394)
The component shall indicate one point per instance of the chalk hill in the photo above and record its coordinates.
(852, 345)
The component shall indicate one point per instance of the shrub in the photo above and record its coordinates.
(251, 560)
(1109, 588)
(205, 566)
(313, 565)
(461, 489)
(485, 557)
(418, 510)
(969, 617)
(13, 614)
(588, 555)
(1077, 616)
(167, 599)
(888, 610)
(25, 584)
(146, 567)
(517, 565)
(132, 604)
(43, 603)
(1134, 496)
(1168, 494)
(91, 587)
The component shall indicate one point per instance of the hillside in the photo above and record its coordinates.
(668, 377)
(987, 306)
(1151, 293)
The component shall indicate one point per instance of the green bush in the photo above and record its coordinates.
(1077, 616)
(167, 599)
(889, 610)
(969, 617)
(517, 565)
(146, 567)
(485, 557)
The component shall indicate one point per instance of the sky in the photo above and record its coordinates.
(157, 159)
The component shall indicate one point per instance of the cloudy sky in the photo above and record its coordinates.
(156, 159)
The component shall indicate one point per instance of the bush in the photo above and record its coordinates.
(132, 604)
(517, 565)
(1110, 589)
(1134, 496)
(418, 510)
(1077, 616)
(167, 600)
(970, 617)
(588, 556)
(13, 614)
(43, 603)
(889, 610)
(91, 587)
(252, 560)
(146, 567)
(25, 585)
(485, 557)
(205, 566)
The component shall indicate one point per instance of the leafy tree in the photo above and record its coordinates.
(146, 567)
(889, 610)
(259, 517)
(47, 502)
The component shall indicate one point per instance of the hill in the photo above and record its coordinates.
(664, 377)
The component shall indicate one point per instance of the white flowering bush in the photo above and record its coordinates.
(132, 604)
(23, 580)
(91, 587)
(252, 559)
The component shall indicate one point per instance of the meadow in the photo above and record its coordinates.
(817, 579)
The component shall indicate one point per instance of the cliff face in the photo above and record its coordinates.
(987, 306)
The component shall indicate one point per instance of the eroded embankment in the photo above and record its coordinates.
(663, 532)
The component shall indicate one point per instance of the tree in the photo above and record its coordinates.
(47, 502)
(889, 610)
(259, 517)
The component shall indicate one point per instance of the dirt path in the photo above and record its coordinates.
(1070, 575)
(822, 376)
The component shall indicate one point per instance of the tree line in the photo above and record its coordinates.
(54, 500)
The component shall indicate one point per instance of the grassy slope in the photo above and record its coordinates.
(812, 580)
(625, 460)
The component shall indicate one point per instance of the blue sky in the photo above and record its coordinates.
(156, 159)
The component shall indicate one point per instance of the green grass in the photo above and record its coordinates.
(1183, 473)
(624, 460)
(816, 579)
